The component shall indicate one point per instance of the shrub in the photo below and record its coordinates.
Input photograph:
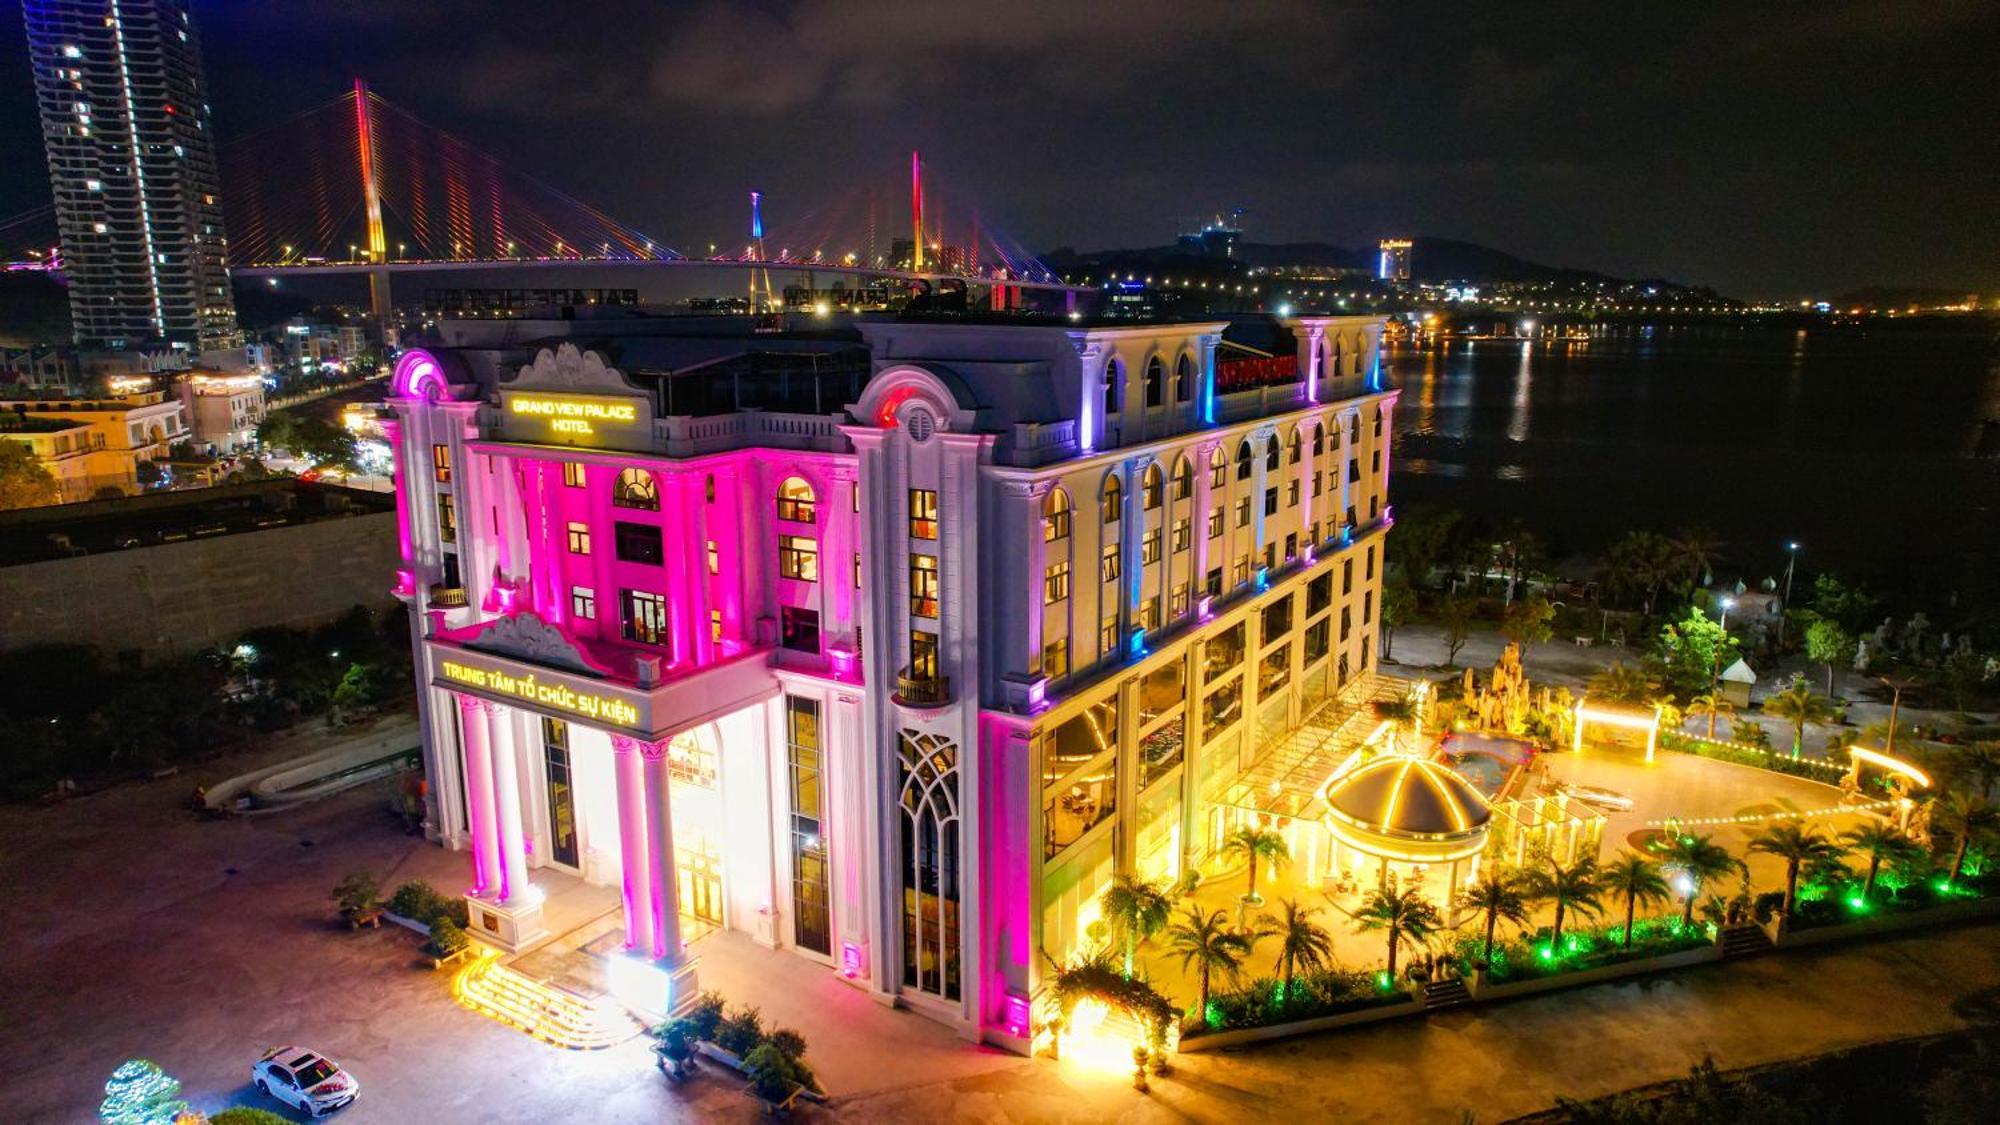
(446, 938)
(790, 1042)
(247, 1115)
(357, 892)
(705, 1015)
(740, 1032)
(772, 1074)
(675, 1039)
(420, 901)
(1313, 995)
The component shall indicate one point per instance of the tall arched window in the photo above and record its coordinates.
(1297, 446)
(1114, 387)
(1218, 469)
(1156, 382)
(1335, 369)
(1055, 515)
(1184, 379)
(1321, 357)
(1183, 478)
(1353, 428)
(928, 803)
(636, 488)
(1271, 454)
(1245, 464)
(1113, 499)
(1319, 440)
(1152, 487)
(795, 500)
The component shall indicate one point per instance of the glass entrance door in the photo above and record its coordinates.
(562, 793)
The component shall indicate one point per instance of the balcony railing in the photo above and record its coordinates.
(447, 597)
(922, 690)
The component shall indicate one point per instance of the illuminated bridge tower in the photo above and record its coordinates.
(378, 242)
(125, 123)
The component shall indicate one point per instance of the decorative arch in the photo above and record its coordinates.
(1319, 437)
(1295, 446)
(636, 488)
(1218, 468)
(797, 501)
(889, 394)
(1056, 515)
(1114, 385)
(928, 821)
(1152, 487)
(1111, 498)
(1156, 383)
(1245, 460)
(1272, 455)
(1184, 378)
(418, 377)
(1183, 477)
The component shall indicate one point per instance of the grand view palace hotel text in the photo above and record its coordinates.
(887, 646)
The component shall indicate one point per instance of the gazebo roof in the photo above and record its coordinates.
(1408, 798)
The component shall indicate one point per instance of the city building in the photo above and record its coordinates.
(1392, 263)
(224, 410)
(72, 451)
(41, 368)
(131, 154)
(127, 430)
(891, 655)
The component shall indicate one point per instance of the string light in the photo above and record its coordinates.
(1763, 818)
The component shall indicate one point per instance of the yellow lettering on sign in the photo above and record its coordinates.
(578, 409)
(530, 689)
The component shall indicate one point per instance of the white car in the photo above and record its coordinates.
(305, 1079)
(1602, 798)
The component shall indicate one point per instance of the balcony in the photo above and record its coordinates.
(447, 597)
(919, 690)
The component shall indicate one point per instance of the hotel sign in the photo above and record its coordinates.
(607, 421)
(542, 690)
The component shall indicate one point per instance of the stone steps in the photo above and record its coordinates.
(550, 1014)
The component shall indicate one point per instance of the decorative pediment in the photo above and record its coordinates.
(525, 636)
(567, 368)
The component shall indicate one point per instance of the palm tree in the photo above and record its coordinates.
(1640, 563)
(1696, 550)
(1878, 842)
(1711, 703)
(1303, 944)
(1637, 879)
(1136, 910)
(1254, 843)
(1573, 888)
(1622, 683)
(1402, 913)
(1798, 705)
(1208, 942)
(1965, 816)
(1979, 762)
(1497, 896)
(1697, 860)
(1797, 845)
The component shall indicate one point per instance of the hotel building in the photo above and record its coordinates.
(888, 647)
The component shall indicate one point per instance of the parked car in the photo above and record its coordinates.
(305, 1079)
(1602, 798)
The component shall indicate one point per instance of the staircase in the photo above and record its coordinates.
(1445, 993)
(1744, 940)
(550, 1014)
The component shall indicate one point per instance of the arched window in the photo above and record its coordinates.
(636, 488)
(1271, 454)
(1156, 382)
(928, 805)
(1055, 515)
(795, 500)
(1114, 387)
(1184, 379)
(1323, 368)
(1152, 487)
(1297, 446)
(1319, 440)
(1335, 369)
(1183, 478)
(1244, 460)
(1353, 428)
(1218, 469)
(1113, 498)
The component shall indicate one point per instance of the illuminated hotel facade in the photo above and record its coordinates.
(895, 679)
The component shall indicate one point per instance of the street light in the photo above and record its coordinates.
(1727, 605)
(1791, 564)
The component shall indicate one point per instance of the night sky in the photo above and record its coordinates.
(1769, 149)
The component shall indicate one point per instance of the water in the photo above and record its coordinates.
(1863, 444)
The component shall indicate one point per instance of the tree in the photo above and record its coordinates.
(1690, 652)
(1697, 860)
(1834, 600)
(1878, 842)
(1207, 943)
(1528, 622)
(1399, 604)
(1695, 551)
(1253, 843)
(1829, 644)
(1638, 565)
(1711, 703)
(1574, 888)
(1499, 895)
(1622, 683)
(24, 482)
(1455, 614)
(1402, 914)
(1423, 538)
(1136, 909)
(1964, 673)
(1798, 705)
(1516, 549)
(1964, 817)
(1303, 944)
(140, 1093)
(1797, 845)
(1636, 879)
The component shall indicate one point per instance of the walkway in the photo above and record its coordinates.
(1503, 1060)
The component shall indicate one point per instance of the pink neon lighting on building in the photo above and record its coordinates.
(417, 376)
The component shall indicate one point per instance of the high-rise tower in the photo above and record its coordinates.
(131, 151)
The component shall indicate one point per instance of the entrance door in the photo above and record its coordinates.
(562, 793)
(700, 875)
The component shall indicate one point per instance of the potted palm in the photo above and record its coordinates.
(1253, 843)
(1137, 910)
(359, 899)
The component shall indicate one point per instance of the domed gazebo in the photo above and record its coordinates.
(1416, 814)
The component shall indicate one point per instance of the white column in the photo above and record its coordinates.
(632, 848)
(478, 757)
(514, 885)
(665, 902)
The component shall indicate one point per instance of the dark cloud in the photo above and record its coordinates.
(1767, 148)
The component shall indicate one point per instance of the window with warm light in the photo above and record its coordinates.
(798, 557)
(923, 585)
(923, 513)
(796, 500)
